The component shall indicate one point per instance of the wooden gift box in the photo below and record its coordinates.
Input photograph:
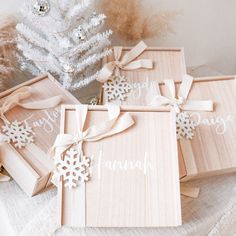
(169, 63)
(212, 149)
(128, 198)
(31, 166)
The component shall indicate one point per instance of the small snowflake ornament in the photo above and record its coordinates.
(19, 133)
(74, 168)
(117, 88)
(184, 126)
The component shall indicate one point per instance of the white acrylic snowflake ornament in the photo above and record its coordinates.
(73, 168)
(184, 126)
(117, 88)
(18, 133)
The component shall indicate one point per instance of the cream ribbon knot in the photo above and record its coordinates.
(14, 99)
(181, 102)
(127, 62)
(116, 124)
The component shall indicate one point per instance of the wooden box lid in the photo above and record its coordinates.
(169, 63)
(31, 166)
(212, 149)
(146, 193)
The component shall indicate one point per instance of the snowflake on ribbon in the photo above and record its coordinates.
(74, 168)
(117, 88)
(19, 133)
(185, 126)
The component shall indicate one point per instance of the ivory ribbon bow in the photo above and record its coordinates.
(181, 102)
(127, 62)
(116, 124)
(14, 100)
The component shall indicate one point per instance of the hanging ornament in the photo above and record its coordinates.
(23, 66)
(79, 35)
(117, 88)
(185, 126)
(74, 168)
(67, 67)
(18, 133)
(95, 20)
(41, 7)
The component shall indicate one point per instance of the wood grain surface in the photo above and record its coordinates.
(126, 198)
(31, 166)
(169, 63)
(212, 150)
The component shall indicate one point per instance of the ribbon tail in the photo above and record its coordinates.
(185, 87)
(134, 53)
(124, 122)
(190, 192)
(116, 124)
(170, 84)
(139, 64)
(159, 101)
(14, 99)
(106, 72)
(192, 105)
(117, 53)
(43, 104)
(63, 141)
(104, 127)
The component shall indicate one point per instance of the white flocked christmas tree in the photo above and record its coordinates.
(62, 37)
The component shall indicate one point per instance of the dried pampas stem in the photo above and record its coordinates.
(133, 22)
(7, 50)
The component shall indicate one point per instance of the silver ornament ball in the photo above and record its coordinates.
(79, 35)
(67, 67)
(41, 7)
(23, 66)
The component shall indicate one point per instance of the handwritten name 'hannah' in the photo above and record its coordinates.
(122, 165)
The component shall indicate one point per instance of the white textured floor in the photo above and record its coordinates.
(5, 228)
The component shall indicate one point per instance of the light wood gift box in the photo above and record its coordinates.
(126, 198)
(212, 151)
(169, 63)
(31, 166)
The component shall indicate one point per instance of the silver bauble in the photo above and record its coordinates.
(41, 7)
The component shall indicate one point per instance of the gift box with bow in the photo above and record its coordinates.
(206, 123)
(29, 123)
(130, 75)
(120, 171)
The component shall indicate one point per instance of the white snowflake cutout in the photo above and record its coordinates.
(184, 126)
(117, 88)
(74, 168)
(19, 133)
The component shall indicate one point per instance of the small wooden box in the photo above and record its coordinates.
(213, 147)
(169, 63)
(31, 166)
(130, 198)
